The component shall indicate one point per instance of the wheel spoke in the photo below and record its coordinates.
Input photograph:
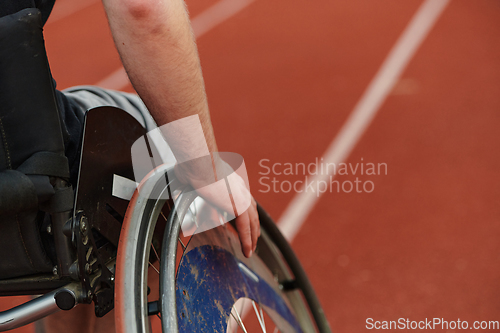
(242, 308)
(261, 319)
(262, 316)
(230, 328)
(182, 244)
(156, 253)
(156, 269)
(238, 320)
(163, 215)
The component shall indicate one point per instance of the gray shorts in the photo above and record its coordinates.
(87, 97)
(74, 103)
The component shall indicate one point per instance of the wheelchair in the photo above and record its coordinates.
(107, 242)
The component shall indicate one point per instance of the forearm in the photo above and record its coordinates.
(158, 51)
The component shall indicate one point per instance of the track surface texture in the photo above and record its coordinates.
(282, 78)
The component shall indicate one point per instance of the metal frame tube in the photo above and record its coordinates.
(35, 309)
(64, 248)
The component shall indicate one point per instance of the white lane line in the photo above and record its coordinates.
(381, 85)
(63, 9)
(204, 22)
(216, 14)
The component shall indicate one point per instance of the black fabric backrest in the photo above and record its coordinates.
(29, 117)
(31, 143)
(8, 7)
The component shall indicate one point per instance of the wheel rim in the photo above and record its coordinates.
(136, 320)
(214, 266)
(134, 252)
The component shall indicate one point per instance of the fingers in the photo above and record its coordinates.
(254, 223)
(248, 227)
(245, 234)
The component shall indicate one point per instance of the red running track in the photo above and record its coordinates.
(283, 76)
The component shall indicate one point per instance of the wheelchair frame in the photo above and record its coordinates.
(86, 277)
(78, 276)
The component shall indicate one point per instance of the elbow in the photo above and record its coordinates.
(139, 10)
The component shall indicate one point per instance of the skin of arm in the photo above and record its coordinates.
(158, 50)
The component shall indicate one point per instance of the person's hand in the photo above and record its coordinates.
(200, 175)
(248, 227)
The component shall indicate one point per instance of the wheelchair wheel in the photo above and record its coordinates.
(206, 284)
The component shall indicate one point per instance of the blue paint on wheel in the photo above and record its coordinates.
(210, 280)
